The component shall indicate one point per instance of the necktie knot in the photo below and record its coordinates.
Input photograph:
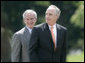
(51, 27)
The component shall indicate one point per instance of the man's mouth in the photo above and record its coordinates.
(48, 19)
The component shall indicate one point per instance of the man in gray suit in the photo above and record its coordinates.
(20, 41)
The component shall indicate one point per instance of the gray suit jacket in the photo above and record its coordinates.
(20, 46)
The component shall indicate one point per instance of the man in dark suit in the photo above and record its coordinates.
(48, 40)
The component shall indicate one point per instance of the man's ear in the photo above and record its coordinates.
(35, 19)
(57, 16)
(24, 21)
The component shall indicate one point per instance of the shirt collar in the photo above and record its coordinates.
(29, 29)
(54, 26)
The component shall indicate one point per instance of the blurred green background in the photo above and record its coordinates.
(72, 17)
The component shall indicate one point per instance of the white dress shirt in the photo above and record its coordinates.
(55, 32)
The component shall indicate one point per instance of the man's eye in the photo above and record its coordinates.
(27, 19)
(50, 14)
(31, 18)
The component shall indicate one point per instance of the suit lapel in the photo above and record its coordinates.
(58, 36)
(27, 33)
(48, 33)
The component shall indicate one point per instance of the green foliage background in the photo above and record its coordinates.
(72, 17)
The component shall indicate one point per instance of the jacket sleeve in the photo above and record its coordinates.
(64, 48)
(15, 48)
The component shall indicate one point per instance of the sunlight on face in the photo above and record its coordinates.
(50, 16)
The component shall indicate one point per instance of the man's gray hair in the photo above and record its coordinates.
(57, 12)
(29, 11)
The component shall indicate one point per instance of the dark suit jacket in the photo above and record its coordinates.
(41, 47)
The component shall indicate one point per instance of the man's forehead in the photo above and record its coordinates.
(50, 10)
(29, 14)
